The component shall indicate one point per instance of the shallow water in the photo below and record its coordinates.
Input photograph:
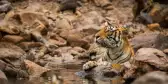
(66, 75)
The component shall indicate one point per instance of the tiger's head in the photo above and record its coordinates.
(110, 36)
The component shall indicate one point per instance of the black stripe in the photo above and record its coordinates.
(125, 58)
(119, 35)
(109, 55)
(119, 56)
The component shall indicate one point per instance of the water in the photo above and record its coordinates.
(66, 75)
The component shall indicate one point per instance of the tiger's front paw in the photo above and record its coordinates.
(89, 65)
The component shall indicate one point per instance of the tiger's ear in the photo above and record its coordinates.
(125, 29)
(107, 23)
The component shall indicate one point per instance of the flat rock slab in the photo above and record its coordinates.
(9, 50)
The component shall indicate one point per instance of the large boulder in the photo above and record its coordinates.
(156, 77)
(146, 60)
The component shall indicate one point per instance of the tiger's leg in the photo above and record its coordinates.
(89, 65)
(98, 61)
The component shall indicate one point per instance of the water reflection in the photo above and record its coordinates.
(69, 76)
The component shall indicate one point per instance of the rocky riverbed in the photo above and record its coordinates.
(44, 42)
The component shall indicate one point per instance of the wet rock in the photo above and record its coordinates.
(147, 60)
(101, 73)
(5, 6)
(12, 38)
(156, 77)
(3, 78)
(8, 50)
(34, 70)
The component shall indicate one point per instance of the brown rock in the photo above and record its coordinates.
(12, 38)
(5, 6)
(34, 70)
(8, 50)
(3, 78)
(29, 18)
(76, 40)
(57, 40)
(147, 60)
(9, 29)
(102, 3)
(2, 65)
(156, 77)
(29, 45)
(150, 40)
(153, 57)
(165, 51)
(63, 24)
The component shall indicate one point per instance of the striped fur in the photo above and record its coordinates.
(118, 49)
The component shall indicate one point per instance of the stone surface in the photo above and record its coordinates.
(8, 50)
(146, 60)
(5, 6)
(3, 78)
(153, 57)
(34, 69)
(156, 77)
(12, 38)
(150, 40)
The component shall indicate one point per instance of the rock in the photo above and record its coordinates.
(68, 5)
(57, 40)
(102, 73)
(29, 45)
(9, 29)
(150, 40)
(2, 65)
(3, 78)
(8, 50)
(34, 70)
(5, 6)
(147, 60)
(165, 51)
(153, 57)
(161, 41)
(12, 38)
(63, 23)
(156, 77)
(75, 39)
(102, 3)
(29, 18)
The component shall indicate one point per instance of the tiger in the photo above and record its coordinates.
(112, 46)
